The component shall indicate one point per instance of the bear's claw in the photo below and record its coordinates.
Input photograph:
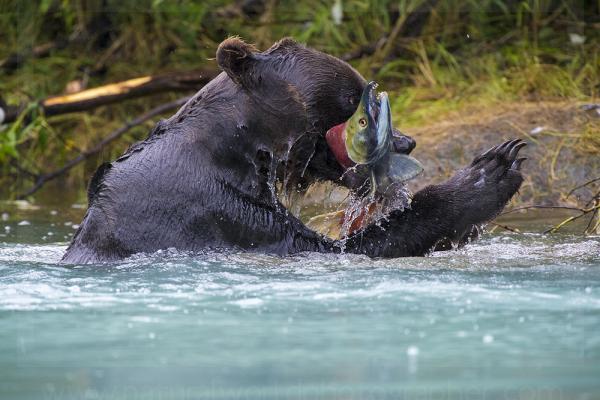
(480, 191)
(516, 165)
(512, 154)
(504, 153)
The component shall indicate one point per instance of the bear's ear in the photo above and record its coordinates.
(287, 43)
(236, 57)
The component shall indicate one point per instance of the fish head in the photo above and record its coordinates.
(366, 136)
(366, 144)
(368, 132)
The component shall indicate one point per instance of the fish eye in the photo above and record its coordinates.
(362, 122)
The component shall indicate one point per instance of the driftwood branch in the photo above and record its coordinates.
(591, 209)
(583, 212)
(582, 186)
(505, 227)
(541, 207)
(44, 178)
(115, 92)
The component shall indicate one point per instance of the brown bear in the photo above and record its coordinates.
(206, 178)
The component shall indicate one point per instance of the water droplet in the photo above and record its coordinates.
(412, 351)
(536, 130)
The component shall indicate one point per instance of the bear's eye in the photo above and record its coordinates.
(362, 122)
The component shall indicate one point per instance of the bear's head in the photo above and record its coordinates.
(327, 88)
(303, 93)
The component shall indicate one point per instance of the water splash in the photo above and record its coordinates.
(362, 211)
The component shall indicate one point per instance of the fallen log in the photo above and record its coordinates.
(115, 92)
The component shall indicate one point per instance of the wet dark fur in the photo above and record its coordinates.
(203, 178)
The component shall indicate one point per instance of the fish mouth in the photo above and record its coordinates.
(371, 143)
(336, 140)
(370, 101)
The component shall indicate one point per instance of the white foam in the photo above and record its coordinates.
(249, 303)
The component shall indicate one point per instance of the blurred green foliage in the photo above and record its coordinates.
(434, 56)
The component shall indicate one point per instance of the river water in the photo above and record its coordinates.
(513, 316)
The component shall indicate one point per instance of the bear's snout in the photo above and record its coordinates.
(403, 144)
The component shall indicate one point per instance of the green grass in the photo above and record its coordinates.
(469, 54)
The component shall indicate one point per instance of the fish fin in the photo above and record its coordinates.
(403, 167)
